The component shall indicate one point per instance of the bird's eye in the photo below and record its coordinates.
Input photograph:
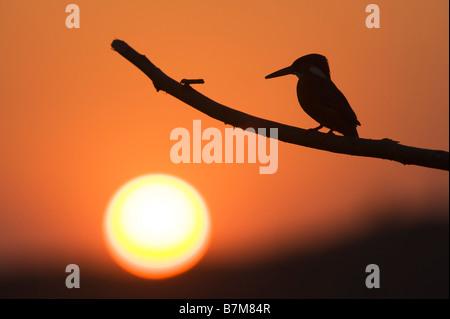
(316, 71)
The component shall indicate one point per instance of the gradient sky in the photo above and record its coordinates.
(77, 121)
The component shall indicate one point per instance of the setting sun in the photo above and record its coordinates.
(157, 226)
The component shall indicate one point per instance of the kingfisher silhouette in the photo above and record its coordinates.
(318, 95)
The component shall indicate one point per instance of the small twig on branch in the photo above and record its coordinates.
(385, 148)
(190, 81)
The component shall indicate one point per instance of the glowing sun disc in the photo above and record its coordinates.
(157, 226)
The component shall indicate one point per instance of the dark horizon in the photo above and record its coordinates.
(414, 263)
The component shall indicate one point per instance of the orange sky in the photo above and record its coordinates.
(77, 120)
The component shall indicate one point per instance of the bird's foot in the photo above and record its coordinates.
(315, 128)
(330, 132)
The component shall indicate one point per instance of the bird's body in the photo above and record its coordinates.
(318, 95)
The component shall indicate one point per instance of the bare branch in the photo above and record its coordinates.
(385, 148)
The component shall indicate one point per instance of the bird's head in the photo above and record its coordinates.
(314, 64)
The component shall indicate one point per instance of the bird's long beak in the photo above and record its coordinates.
(281, 72)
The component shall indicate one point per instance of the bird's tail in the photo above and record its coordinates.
(352, 131)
